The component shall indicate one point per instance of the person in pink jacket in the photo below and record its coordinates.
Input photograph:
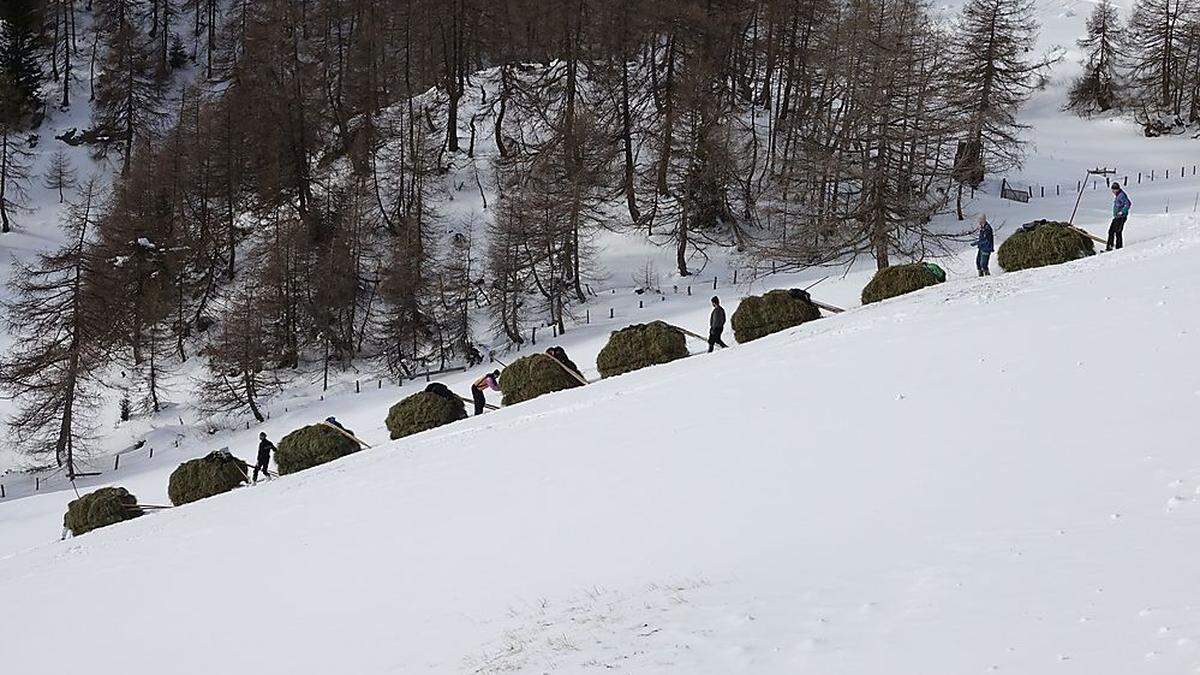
(489, 381)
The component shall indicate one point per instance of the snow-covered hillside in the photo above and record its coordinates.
(993, 474)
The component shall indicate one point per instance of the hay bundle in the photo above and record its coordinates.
(532, 376)
(312, 445)
(422, 411)
(101, 508)
(759, 315)
(641, 345)
(1041, 243)
(900, 279)
(210, 475)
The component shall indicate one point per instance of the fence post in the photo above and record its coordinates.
(735, 275)
(610, 312)
(1, 490)
(427, 376)
(639, 304)
(152, 453)
(553, 330)
(37, 483)
(1139, 178)
(1043, 191)
(714, 282)
(380, 387)
(533, 335)
(689, 290)
(116, 462)
(587, 317)
(357, 390)
(1078, 186)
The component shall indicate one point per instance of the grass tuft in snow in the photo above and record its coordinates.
(761, 315)
(639, 346)
(900, 279)
(1047, 242)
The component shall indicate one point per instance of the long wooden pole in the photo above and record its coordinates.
(698, 337)
(570, 372)
(347, 434)
(489, 406)
(828, 308)
(1089, 235)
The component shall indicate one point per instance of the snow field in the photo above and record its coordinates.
(989, 473)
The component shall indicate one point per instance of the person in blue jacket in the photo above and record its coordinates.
(1121, 206)
(986, 243)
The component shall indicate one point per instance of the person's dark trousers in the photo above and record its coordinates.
(981, 263)
(714, 339)
(477, 397)
(1115, 231)
(264, 461)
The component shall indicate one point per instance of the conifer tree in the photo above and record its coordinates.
(15, 158)
(60, 175)
(128, 96)
(994, 76)
(60, 348)
(20, 61)
(1096, 89)
(1158, 54)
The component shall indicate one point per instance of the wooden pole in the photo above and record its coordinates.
(698, 337)
(489, 406)
(570, 372)
(828, 308)
(1089, 235)
(347, 434)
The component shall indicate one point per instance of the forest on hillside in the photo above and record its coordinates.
(277, 199)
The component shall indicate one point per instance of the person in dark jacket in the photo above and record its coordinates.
(265, 448)
(716, 324)
(488, 381)
(986, 243)
(1121, 204)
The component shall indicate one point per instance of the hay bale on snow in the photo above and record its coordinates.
(532, 376)
(210, 475)
(1041, 243)
(423, 411)
(759, 315)
(312, 445)
(639, 346)
(101, 508)
(890, 282)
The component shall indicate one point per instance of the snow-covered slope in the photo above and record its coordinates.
(992, 474)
